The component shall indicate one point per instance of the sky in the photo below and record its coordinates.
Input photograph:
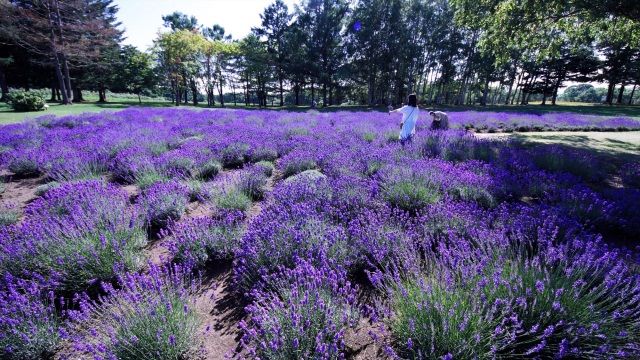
(141, 19)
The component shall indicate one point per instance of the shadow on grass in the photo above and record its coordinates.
(613, 152)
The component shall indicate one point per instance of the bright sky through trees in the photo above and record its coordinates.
(143, 18)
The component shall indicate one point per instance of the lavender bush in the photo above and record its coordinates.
(297, 162)
(266, 167)
(460, 247)
(253, 182)
(30, 327)
(630, 174)
(43, 189)
(74, 237)
(202, 239)
(304, 317)
(8, 214)
(163, 202)
(153, 316)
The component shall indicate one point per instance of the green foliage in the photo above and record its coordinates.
(148, 178)
(263, 154)
(208, 170)
(299, 165)
(32, 335)
(253, 183)
(153, 317)
(410, 191)
(202, 239)
(583, 93)
(195, 188)
(232, 199)
(8, 216)
(32, 100)
(42, 189)
(266, 166)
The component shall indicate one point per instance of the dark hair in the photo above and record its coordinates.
(413, 100)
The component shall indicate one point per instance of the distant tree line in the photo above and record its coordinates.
(370, 52)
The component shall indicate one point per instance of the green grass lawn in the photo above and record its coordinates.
(8, 116)
(616, 148)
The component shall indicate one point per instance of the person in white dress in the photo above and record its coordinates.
(409, 118)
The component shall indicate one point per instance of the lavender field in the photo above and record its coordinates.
(179, 234)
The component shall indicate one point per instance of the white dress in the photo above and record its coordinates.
(409, 119)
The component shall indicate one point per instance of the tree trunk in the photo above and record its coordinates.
(221, 94)
(632, 92)
(234, 95)
(139, 98)
(324, 95)
(330, 94)
(102, 95)
(313, 95)
(56, 61)
(610, 88)
(620, 93)
(296, 91)
(176, 90)
(281, 89)
(3, 85)
(194, 91)
(63, 58)
(56, 64)
(65, 68)
(486, 91)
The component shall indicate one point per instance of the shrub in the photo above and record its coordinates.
(267, 167)
(130, 165)
(195, 188)
(163, 202)
(282, 237)
(525, 296)
(24, 162)
(177, 165)
(253, 182)
(76, 236)
(304, 317)
(208, 169)
(234, 155)
(297, 162)
(630, 175)
(43, 189)
(263, 154)
(146, 179)
(232, 198)
(8, 214)
(153, 316)
(77, 166)
(202, 239)
(411, 190)
(29, 326)
(31, 100)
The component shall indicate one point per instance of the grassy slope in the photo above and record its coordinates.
(8, 116)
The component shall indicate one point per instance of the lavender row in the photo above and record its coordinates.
(453, 234)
